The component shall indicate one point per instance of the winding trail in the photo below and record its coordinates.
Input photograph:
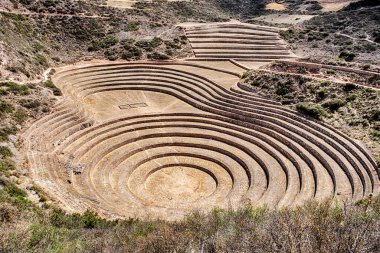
(353, 38)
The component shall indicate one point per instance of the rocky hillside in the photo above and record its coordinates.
(351, 108)
(38, 35)
(351, 34)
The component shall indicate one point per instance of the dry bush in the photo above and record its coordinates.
(8, 213)
(313, 227)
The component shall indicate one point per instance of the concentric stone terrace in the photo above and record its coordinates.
(239, 41)
(160, 139)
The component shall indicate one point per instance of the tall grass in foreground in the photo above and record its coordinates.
(324, 227)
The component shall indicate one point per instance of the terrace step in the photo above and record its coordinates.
(238, 146)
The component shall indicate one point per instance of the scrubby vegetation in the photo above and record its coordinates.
(18, 102)
(49, 84)
(326, 72)
(32, 42)
(347, 35)
(13, 88)
(349, 107)
(334, 104)
(325, 227)
(129, 49)
(311, 109)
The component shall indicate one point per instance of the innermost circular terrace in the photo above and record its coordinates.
(180, 184)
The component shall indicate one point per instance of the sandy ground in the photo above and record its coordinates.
(275, 6)
(121, 3)
(334, 5)
(284, 18)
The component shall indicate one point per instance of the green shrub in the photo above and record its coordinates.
(172, 44)
(350, 87)
(18, 68)
(14, 88)
(375, 79)
(347, 56)
(351, 97)
(367, 66)
(375, 135)
(41, 60)
(30, 103)
(322, 94)
(183, 39)
(155, 42)
(315, 6)
(317, 36)
(111, 54)
(44, 236)
(5, 152)
(49, 84)
(56, 58)
(366, 47)
(6, 165)
(91, 220)
(377, 158)
(357, 122)
(87, 220)
(158, 56)
(131, 52)
(94, 46)
(109, 41)
(334, 104)
(376, 35)
(284, 88)
(246, 74)
(169, 52)
(5, 107)
(103, 43)
(14, 191)
(287, 34)
(311, 109)
(144, 44)
(20, 116)
(6, 131)
(127, 42)
(132, 26)
(374, 115)
(376, 126)
(325, 83)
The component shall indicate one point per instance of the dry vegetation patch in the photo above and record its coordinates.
(348, 107)
(310, 228)
(347, 35)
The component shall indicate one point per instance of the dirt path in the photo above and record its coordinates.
(353, 38)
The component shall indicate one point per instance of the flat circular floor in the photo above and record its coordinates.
(180, 184)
